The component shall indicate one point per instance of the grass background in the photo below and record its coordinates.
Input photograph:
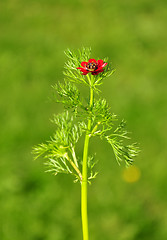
(33, 35)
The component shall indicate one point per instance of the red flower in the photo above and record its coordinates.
(92, 66)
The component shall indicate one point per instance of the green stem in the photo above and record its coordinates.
(84, 176)
(94, 129)
(74, 157)
(74, 166)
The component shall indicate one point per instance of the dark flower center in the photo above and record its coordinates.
(92, 66)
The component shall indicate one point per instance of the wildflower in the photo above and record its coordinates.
(92, 66)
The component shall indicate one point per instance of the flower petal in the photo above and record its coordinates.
(92, 60)
(98, 69)
(83, 64)
(104, 64)
(100, 62)
(101, 67)
(95, 73)
(85, 73)
(83, 70)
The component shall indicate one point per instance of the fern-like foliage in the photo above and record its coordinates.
(100, 77)
(74, 60)
(60, 149)
(122, 151)
(60, 152)
(69, 96)
(103, 125)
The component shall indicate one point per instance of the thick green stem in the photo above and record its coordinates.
(85, 178)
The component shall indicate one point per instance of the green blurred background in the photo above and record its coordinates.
(33, 35)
